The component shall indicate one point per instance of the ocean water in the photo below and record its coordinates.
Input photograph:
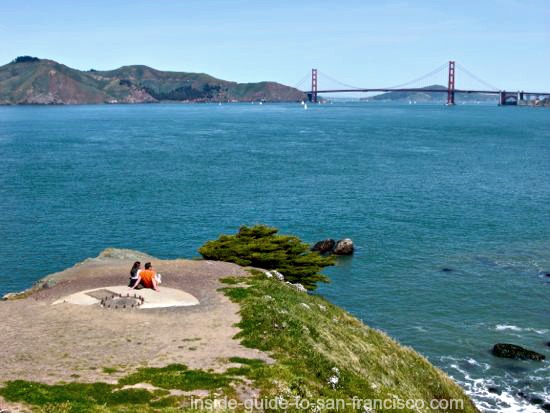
(418, 188)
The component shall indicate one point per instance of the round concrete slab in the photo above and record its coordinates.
(166, 297)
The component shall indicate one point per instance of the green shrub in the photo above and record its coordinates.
(260, 246)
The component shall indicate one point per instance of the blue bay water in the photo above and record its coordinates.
(418, 188)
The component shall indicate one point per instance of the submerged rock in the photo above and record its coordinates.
(513, 351)
(325, 246)
(344, 247)
(447, 270)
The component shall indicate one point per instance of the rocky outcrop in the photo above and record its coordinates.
(298, 287)
(513, 351)
(329, 246)
(344, 247)
(275, 274)
(325, 246)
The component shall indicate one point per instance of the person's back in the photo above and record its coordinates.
(147, 278)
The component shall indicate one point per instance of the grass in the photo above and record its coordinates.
(177, 376)
(103, 397)
(74, 397)
(311, 339)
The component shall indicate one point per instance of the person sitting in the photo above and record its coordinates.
(134, 273)
(147, 278)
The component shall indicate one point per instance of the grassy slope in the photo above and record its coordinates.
(307, 336)
(19, 81)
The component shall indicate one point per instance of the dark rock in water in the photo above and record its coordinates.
(521, 394)
(494, 390)
(547, 274)
(546, 407)
(516, 352)
(536, 400)
(325, 246)
(447, 270)
(548, 344)
(343, 247)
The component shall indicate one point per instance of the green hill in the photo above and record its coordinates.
(28, 80)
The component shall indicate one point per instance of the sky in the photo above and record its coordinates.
(362, 43)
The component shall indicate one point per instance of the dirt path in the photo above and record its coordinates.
(50, 343)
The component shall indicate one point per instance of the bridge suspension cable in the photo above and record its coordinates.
(338, 82)
(303, 80)
(483, 82)
(418, 79)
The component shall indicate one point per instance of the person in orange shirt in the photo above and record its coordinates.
(147, 278)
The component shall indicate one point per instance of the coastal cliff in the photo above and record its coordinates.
(29, 80)
(251, 338)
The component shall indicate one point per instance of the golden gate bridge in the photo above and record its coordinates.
(504, 97)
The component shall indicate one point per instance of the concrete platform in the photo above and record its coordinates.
(166, 297)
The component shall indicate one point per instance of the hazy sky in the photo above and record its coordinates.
(365, 43)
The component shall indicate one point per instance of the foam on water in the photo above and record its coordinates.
(495, 393)
(504, 327)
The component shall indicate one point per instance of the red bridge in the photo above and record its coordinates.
(504, 97)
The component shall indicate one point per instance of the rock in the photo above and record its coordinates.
(274, 274)
(516, 352)
(494, 390)
(298, 287)
(447, 270)
(325, 246)
(343, 247)
(10, 296)
(546, 406)
(278, 275)
(305, 306)
(536, 400)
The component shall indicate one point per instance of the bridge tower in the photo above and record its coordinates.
(451, 84)
(313, 94)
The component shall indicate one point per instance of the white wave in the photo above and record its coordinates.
(510, 327)
(491, 402)
(502, 327)
(505, 402)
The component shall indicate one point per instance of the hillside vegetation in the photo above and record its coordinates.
(29, 80)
